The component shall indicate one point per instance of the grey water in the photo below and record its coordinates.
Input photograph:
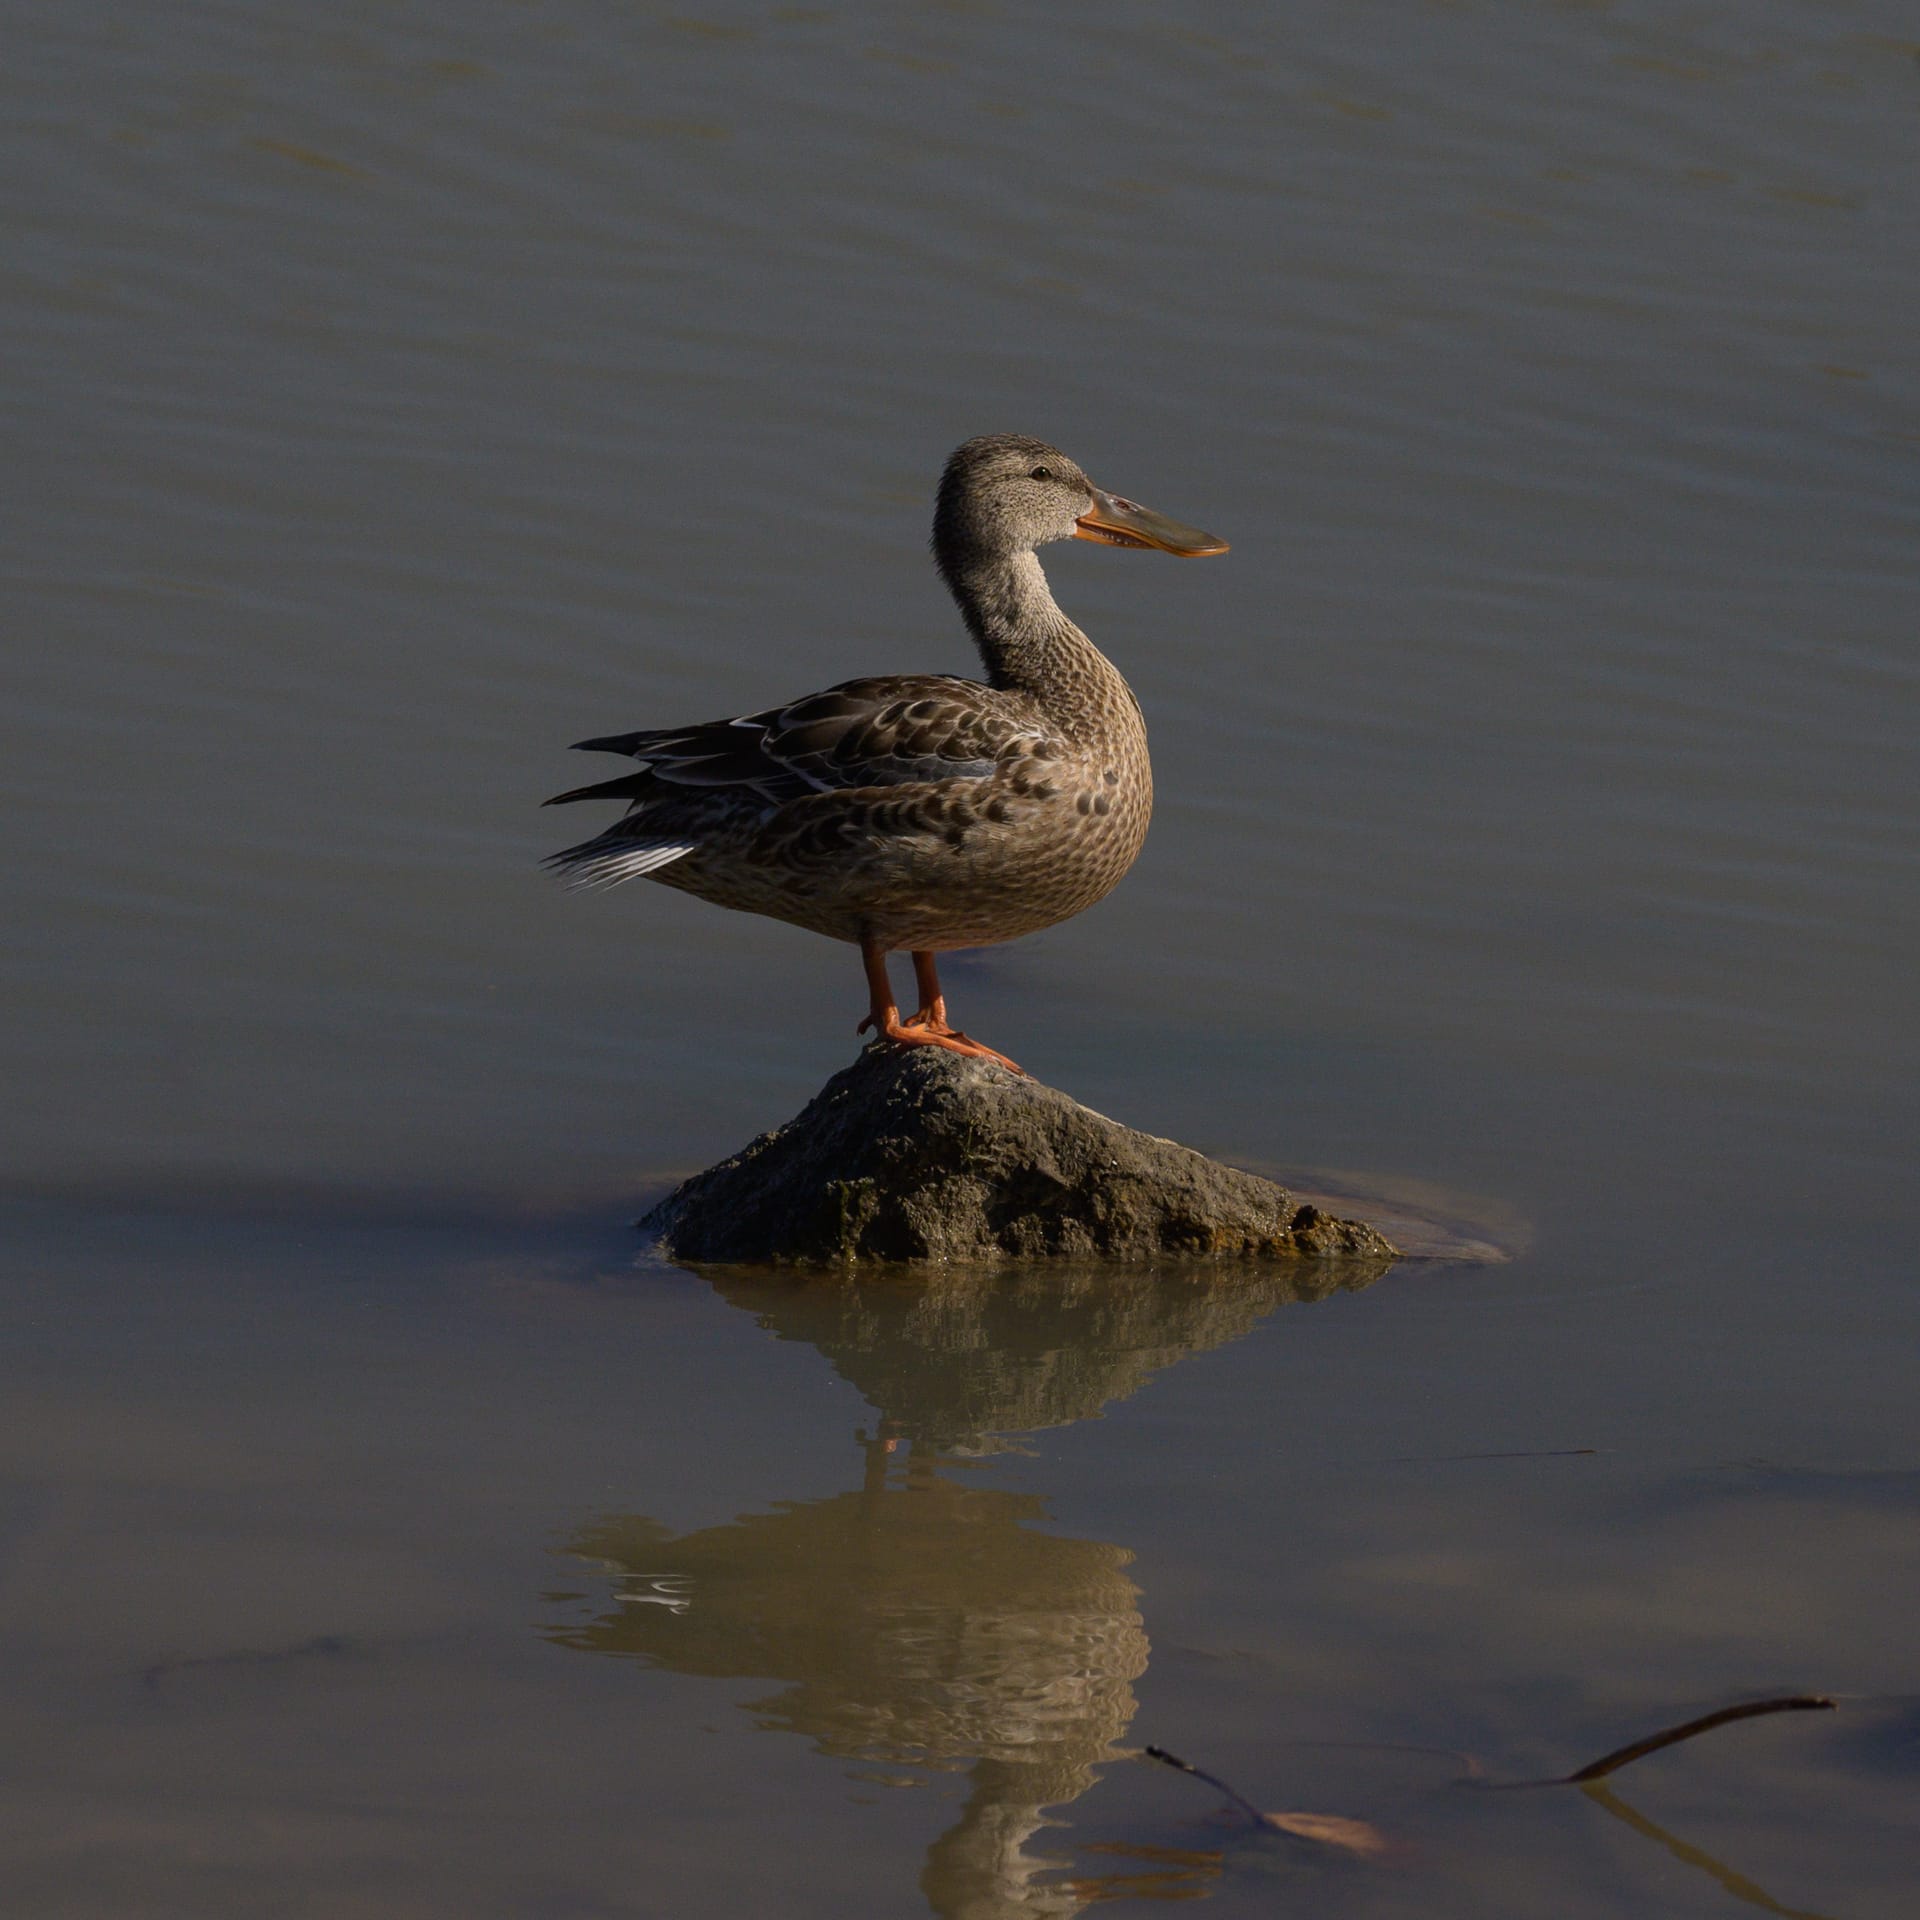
(399, 391)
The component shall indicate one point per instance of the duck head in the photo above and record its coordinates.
(1005, 493)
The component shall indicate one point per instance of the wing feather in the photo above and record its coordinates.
(925, 731)
(883, 732)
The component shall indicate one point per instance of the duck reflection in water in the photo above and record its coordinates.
(918, 1619)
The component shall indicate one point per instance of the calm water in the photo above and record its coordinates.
(402, 391)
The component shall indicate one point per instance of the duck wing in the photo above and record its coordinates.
(896, 730)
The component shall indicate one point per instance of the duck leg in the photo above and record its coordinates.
(932, 1013)
(928, 1027)
(931, 1016)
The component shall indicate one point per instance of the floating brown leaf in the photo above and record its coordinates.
(1332, 1830)
(1324, 1829)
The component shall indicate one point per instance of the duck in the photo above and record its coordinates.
(919, 813)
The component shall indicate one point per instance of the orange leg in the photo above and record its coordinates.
(932, 1013)
(928, 1027)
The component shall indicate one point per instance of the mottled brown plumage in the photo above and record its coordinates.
(920, 811)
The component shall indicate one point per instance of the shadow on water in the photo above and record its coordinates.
(919, 1619)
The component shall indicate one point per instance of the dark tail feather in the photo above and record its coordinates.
(629, 786)
(627, 743)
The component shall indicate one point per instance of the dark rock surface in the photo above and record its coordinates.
(921, 1154)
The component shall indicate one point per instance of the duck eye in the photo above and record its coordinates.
(1041, 473)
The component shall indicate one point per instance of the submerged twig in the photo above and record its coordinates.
(1323, 1829)
(1238, 1798)
(328, 1644)
(1528, 1453)
(1672, 1736)
(1468, 1763)
(1360, 1838)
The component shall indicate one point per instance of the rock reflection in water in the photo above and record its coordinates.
(920, 1619)
(955, 1357)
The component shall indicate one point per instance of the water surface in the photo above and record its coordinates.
(401, 394)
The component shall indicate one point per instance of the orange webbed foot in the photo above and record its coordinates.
(927, 1025)
(920, 1030)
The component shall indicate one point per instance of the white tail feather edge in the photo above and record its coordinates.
(591, 871)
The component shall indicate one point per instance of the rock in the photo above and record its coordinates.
(922, 1154)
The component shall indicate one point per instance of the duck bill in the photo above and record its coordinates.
(1125, 523)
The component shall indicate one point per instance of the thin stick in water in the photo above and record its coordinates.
(1672, 1736)
(1239, 1799)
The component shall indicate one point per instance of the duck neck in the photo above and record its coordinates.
(1028, 644)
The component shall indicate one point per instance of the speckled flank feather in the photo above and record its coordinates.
(913, 811)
